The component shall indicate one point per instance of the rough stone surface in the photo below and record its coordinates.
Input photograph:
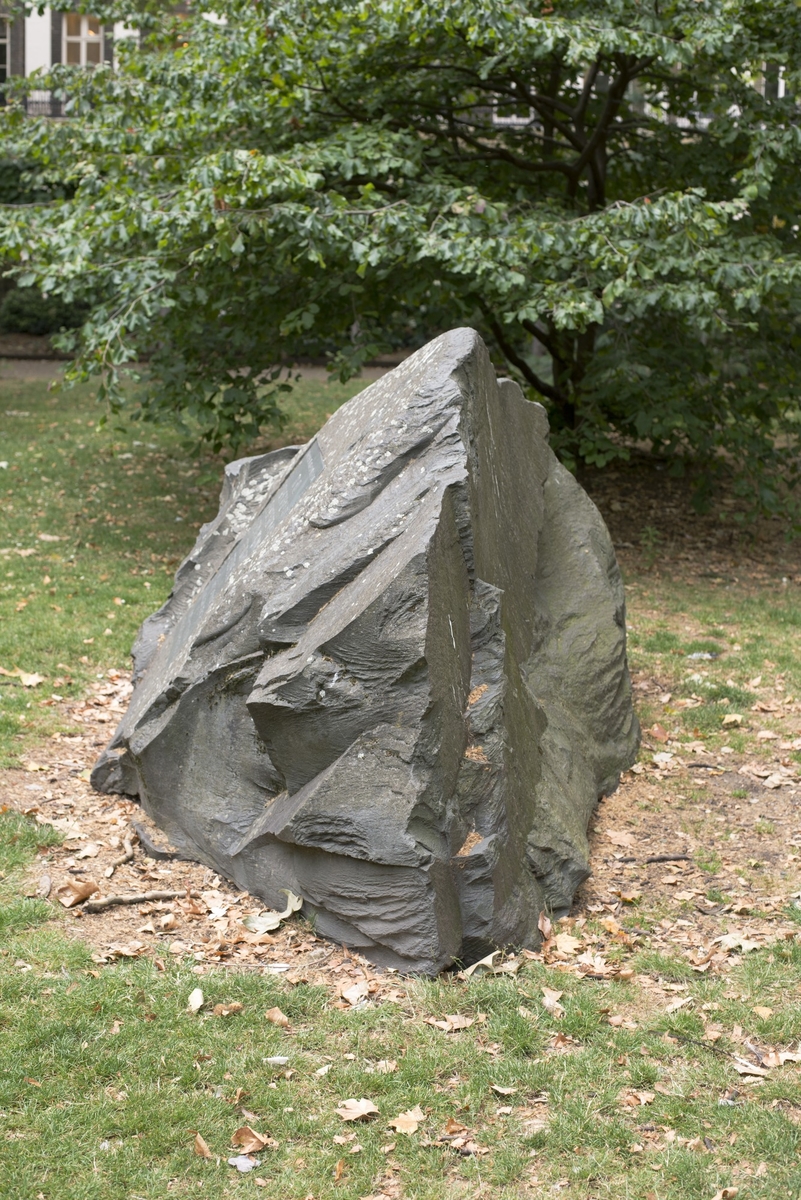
(392, 675)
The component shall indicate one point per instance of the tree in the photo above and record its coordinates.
(606, 189)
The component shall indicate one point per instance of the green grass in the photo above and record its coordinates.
(105, 1076)
(19, 840)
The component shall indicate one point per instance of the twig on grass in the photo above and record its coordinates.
(125, 857)
(137, 898)
(659, 858)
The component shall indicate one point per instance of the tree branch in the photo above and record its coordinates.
(509, 352)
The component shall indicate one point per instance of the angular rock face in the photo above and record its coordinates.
(392, 675)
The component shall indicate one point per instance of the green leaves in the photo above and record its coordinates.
(606, 190)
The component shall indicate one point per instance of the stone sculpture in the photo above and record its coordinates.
(391, 676)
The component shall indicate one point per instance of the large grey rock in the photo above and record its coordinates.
(392, 676)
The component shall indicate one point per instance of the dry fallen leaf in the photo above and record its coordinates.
(27, 680)
(408, 1122)
(762, 1012)
(452, 1023)
(90, 850)
(72, 893)
(682, 1002)
(267, 921)
(356, 1110)
(619, 839)
(276, 1017)
(227, 1010)
(735, 941)
(478, 968)
(743, 1067)
(503, 1091)
(250, 1141)
(727, 1193)
(550, 1000)
(386, 1066)
(567, 944)
(356, 992)
(201, 1147)
(339, 1170)
(453, 1126)
(195, 1002)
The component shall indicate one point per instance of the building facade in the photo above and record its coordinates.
(40, 40)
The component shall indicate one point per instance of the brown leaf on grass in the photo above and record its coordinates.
(201, 1147)
(632, 1099)
(356, 1110)
(629, 896)
(408, 1122)
(339, 1170)
(619, 839)
(276, 1017)
(659, 733)
(250, 1141)
(452, 1023)
(567, 944)
(386, 1066)
(727, 1193)
(227, 1010)
(453, 1126)
(762, 1012)
(619, 1022)
(550, 1001)
(72, 892)
(743, 1067)
(735, 941)
(356, 992)
(26, 679)
(502, 1091)
(478, 968)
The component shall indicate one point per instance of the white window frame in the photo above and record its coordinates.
(84, 39)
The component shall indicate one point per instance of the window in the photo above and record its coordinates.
(83, 40)
(4, 53)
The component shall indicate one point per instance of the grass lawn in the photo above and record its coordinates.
(656, 1083)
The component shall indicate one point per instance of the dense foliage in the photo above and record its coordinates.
(606, 189)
